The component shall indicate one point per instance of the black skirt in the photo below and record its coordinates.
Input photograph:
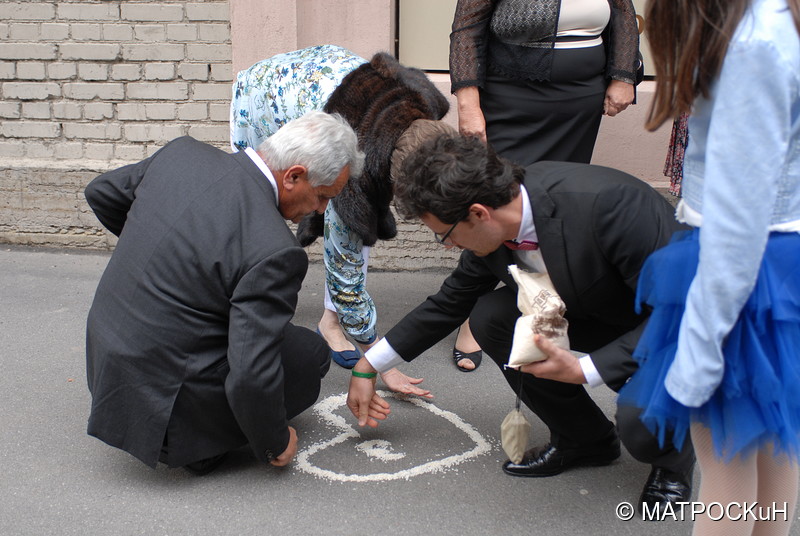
(558, 119)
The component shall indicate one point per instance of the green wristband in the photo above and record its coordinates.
(364, 374)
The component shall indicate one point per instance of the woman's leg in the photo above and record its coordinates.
(329, 325)
(769, 481)
(466, 344)
(346, 260)
(777, 490)
(722, 484)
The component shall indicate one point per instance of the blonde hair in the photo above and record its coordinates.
(417, 133)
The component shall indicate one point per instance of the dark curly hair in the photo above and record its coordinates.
(450, 172)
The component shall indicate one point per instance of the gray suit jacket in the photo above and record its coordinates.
(596, 226)
(194, 301)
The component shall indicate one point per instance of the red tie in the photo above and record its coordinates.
(525, 245)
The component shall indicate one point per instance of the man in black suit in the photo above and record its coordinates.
(591, 229)
(189, 349)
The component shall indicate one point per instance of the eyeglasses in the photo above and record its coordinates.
(442, 238)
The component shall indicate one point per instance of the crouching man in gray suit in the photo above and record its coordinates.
(189, 349)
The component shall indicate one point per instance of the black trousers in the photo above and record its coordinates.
(573, 418)
(202, 424)
(303, 352)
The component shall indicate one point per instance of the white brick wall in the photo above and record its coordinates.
(78, 64)
(87, 85)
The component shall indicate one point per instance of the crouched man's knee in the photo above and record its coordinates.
(493, 317)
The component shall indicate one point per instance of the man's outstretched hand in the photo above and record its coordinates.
(400, 383)
(363, 401)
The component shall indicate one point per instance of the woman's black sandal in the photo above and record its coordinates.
(475, 357)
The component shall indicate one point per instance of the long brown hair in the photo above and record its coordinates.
(688, 41)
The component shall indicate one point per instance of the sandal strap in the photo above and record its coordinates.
(475, 357)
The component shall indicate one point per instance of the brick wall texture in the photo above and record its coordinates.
(90, 85)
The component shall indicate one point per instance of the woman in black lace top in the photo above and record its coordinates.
(535, 77)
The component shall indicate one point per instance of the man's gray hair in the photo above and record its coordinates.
(322, 143)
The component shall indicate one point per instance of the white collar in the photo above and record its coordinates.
(264, 169)
(527, 231)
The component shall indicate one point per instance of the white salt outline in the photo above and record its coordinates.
(325, 409)
(381, 449)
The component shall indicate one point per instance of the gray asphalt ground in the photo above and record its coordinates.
(57, 480)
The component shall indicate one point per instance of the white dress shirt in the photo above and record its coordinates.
(264, 169)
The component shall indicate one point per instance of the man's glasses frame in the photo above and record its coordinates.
(442, 238)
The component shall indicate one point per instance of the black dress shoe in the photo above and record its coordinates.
(549, 460)
(665, 487)
(203, 467)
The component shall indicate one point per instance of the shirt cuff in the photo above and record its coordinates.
(382, 356)
(593, 377)
(689, 395)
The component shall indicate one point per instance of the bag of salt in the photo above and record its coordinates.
(542, 312)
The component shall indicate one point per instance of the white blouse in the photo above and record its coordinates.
(582, 18)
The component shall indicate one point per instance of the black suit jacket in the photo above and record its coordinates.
(596, 226)
(194, 302)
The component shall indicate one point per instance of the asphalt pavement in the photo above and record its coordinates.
(432, 468)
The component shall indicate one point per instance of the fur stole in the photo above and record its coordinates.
(379, 99)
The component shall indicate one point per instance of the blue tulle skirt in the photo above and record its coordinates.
(758, 401)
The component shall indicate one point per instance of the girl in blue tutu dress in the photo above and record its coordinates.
(720, 357)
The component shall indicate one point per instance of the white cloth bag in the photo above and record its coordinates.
(542, 312)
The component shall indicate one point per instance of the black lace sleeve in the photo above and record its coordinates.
(624, 42)
(468, 42)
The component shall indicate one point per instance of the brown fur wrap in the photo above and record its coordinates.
(379, 99)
